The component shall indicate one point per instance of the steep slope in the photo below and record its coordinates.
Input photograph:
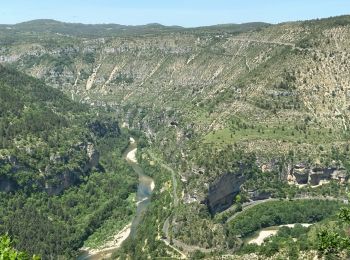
(61, 171)
(35, 121)
(286, 83)
(265, 103)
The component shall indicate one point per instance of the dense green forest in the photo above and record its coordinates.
(281, 212)
(61, 169)
(41, 131)
(329, 238)
(260, 100)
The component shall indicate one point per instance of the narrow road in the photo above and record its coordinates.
(173, 176)
(248, 205)
(251, 204)
(263, 41)
(185, 248)
(288, 44)
(166, 224)
(174, 243)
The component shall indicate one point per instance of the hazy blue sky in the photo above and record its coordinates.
(170, 12)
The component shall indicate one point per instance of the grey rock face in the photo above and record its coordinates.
(223, 191)
(93, 156)
(304, 174)
(7, 185)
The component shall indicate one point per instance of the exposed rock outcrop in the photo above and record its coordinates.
(71, 177)
(102, 128)
(7, 185)
(61, 182)
(304, 174)
(259, 195)
(51, 180)
(301, 174)
(223, 191)
(93, 156)
(10, 165)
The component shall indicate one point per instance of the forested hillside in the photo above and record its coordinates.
(230, 116)
(61, 170)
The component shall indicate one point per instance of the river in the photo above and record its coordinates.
(271, 231)
(144, 191)
(145, 187)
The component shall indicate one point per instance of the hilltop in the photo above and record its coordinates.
(48, 26)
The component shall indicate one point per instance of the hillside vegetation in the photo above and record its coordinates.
(62, 175)
(232, 114)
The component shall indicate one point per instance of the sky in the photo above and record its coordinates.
(187, 13)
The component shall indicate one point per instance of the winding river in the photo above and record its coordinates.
(144, 191)
(145, 187)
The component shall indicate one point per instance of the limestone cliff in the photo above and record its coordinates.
(305, 174)
(53, 181)
(223, 191)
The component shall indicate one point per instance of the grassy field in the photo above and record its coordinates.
(283, 133)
